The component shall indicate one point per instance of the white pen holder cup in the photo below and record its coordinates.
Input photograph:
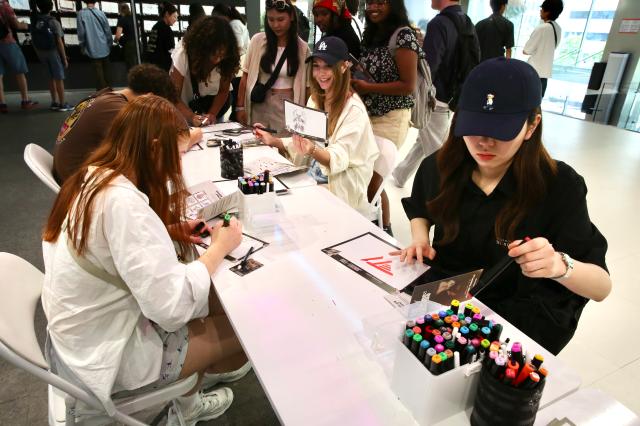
(259, 207)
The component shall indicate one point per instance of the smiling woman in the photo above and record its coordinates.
(493, 180)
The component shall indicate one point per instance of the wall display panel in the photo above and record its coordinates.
(67, 5)
(69, 23)
(19, 4)
(109, 7)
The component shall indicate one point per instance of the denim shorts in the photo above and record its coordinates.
(11, 58)
(51, 59)
(174, 352)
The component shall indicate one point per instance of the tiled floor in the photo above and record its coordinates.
(605, 351)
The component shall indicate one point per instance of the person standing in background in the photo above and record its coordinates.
(12, 57)
(196, 11)
(125, 35)
(239, 27)
(47, 40)
(95, 40)
(333, 18)
(495, 33)
(544, 40)
(161, 40)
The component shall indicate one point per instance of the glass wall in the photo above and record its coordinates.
(585, 26)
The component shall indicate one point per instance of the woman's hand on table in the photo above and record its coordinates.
(226, 238)
(417, 250)
(537, 258)
(196, 230)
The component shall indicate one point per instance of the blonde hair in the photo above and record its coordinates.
(339, 94)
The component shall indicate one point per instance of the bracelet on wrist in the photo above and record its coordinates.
(239, 108)
(313, 150)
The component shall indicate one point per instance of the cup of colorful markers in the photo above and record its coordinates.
(258, 196)
(449, 338)
(231, 159)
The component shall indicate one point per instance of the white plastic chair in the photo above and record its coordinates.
(41, 163)
(383, 166)
(21, 286)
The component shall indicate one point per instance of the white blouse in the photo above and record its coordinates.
(101, 332)
(181, 64)
(353, 150)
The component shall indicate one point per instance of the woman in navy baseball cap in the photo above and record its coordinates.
(493, 192)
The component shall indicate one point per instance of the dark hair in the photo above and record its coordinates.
(291, 51)
(196, 11)
(166, 8)
(337, 22)
(142, 143)
(379, 34)
(554, 7)
(44, 6)
(209, 36)
(149, 78)
(532, 169)
(227, 11)
(496, 5)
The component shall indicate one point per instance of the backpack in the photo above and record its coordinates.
(42, 34)
(424, 95)
(303, 25)
(465, 57)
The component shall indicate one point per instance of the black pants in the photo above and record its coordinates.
(543, 81)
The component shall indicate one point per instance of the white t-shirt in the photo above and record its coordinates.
(181, 64)
(283, 81)
(102, 333)
(541, 46)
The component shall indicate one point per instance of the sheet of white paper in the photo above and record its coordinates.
(306, 122)
(297, 180)
(372, 255)
(239, 252)
(275, 167)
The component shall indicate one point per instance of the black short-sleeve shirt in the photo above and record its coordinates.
(126, 23)
(161, 42)
(542, 308)
(495, 34)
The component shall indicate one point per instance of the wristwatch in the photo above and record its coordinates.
(568, 261)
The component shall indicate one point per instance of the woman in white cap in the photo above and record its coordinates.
(494, 191)
(348, 155)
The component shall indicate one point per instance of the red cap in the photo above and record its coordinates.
(336, 6)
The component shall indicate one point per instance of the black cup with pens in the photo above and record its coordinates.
(231, 159)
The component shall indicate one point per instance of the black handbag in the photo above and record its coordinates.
(259, 91)
(199, 104)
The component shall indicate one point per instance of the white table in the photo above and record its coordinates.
(297, 316)
(588, 407)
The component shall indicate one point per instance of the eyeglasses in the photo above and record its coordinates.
(277, 5)
(376, 2)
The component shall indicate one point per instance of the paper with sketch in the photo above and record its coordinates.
(304, 121)
(444, 290)
(275, 167)
(368, 255)
(239, 252)
(207, 200)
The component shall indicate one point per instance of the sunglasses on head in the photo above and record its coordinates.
(277, 5)
(376, 2)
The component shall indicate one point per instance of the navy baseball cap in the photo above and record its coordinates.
(497, 98)
(331, 50)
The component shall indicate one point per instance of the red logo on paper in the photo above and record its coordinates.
(384, 265)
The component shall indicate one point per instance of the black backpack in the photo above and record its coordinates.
(465, 57)
(42, 34)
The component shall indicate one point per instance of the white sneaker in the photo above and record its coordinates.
(210, 379)
(210, 406)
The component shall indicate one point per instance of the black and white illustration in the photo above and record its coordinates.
(306, 122)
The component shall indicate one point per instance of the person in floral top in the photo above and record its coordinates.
(394, 70)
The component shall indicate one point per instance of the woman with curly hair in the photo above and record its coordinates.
(203, 66)
(278, 44)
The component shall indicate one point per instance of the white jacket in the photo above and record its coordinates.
(101, 332)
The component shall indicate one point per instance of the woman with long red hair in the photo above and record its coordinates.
(124, 313)
(491, 185)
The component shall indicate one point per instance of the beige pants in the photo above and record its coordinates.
(270, 113)
(394, 125)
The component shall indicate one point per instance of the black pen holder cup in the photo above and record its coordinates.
(499, 404)
(231, 162)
